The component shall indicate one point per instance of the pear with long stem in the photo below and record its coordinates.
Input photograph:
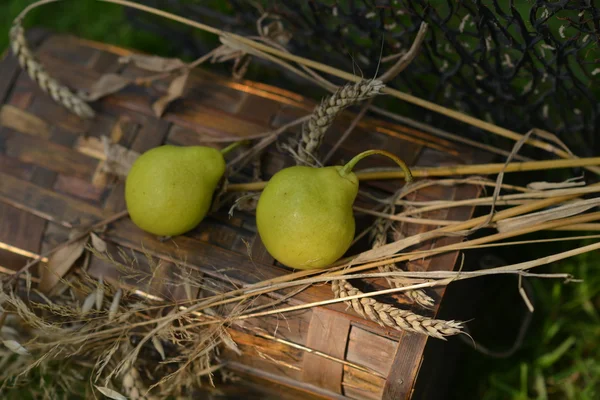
(304, 215)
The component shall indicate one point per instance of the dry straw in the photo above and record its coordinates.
(380, 238)
(458, 170)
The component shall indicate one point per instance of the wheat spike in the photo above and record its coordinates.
(324, 114)
(380, 238)
(388, 315)
(60, 93)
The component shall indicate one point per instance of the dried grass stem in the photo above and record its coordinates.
(482, 169)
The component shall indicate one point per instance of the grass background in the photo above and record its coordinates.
(560, 357)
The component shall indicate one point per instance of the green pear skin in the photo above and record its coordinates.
(304, 215)
(169, 189)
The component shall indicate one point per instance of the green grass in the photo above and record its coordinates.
(85, 18)
(560, 359)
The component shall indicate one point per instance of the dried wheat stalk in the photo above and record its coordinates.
(249, 200)
(388, 315)
(418, 296)
(60, 93)
(324, 114)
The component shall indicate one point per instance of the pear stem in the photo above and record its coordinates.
(232, 147)
(352, 163)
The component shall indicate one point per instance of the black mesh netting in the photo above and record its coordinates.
(518, 64)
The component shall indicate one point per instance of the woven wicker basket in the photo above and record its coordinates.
(51, 180)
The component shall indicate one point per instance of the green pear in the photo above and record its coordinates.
(304, 215)
(169, 189)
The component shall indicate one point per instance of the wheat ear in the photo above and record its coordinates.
(418, 296)
(388, 315)
(60, 93)
(324, 114)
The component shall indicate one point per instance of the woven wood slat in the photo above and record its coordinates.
(51, 180)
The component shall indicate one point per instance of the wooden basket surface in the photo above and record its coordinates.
(50, 181)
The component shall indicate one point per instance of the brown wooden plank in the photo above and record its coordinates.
(199, 116)
(67, 72)
(79, 188)
(151, 133)
(302, 390)
(258, 109)
(102, 126)
(260, 253)
(409, 354)
(9, 69)
(250, 343)
(51, 156)
(259, 89)
(17, 226)
(54, 235)
(43, 201)
(146, 133)
(328, 333)
(226, 236)
(155, 277)
(268, 355)
(67, 48)
(22, 121)
(211, 122)
(215, 95)
(20, 229)
(209, 258)
(377, 356)
(404, 368)
(361, 385)
(217, 262)
(13, 166)
(55, 114)
(180, 136)
(21, 97)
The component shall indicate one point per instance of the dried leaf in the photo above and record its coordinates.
(99, 294)
(158, 346)
(111, 394)
(114, 305)
(9, 331)
(28, 281)
(564, 211)
(15, 347)
(98, 243)
(88, 303)
(175, 91)
(153, 63)
(119, 159)
(556, 185)
(107, 84)
(188, 290)
(59, 264)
